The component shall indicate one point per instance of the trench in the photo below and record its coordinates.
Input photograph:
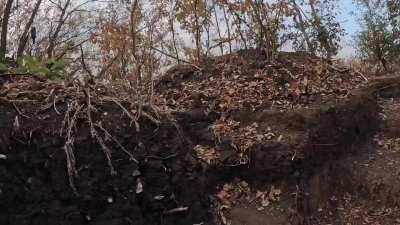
(170, 186)
(357, 184)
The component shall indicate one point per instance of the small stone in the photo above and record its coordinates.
(139, 186)
(136, 173)
(265, 202)
(280, 138)
(88, 218)
(3, 157)
(110, 200)
(159, 197)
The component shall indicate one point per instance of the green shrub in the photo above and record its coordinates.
(51, 69)
(3, 68)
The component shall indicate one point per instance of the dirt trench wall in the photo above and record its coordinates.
(35, 186)
(316, 135)
(169, 185)
(341, 128)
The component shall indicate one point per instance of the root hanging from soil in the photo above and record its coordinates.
(108, 135)
(69, 143)
(96, 135)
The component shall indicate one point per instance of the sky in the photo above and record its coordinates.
(349, 21)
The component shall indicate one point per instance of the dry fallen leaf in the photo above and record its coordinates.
(207, 154)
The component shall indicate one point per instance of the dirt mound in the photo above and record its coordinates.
(242, 110)
(72, 154)
(246, 80)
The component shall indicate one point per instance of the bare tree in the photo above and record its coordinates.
(61, 21)
(301, 25)
(228, 29)
(4, 29)
(2, 4)
(171, 21)
(24, 37)
(221, 46)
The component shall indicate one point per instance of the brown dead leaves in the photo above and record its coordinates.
(237, 191)
(236, 83)
(231, 193)
(207, 154)
(243, 137)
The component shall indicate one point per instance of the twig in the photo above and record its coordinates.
(162, 158)
(176, 210)
(168, 55)
(154, 120)
(126, 111)
(66, 118)
(19, 111)
(294, 155)
(50, 94)
(362, 75)
(94, 133)
(14, 74)
(328, 144)
(24, 74)
(18, 100)
(107, 67)
(55, 107)
(84, 63)
(131, 157)
(69, 151)
(344, 70)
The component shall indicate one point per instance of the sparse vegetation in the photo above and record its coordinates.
(379, 41)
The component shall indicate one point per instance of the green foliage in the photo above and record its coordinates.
(51, 69)
(379, 40)
(322, 27)
(3, 68)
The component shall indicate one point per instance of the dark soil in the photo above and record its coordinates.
(361, 187)
(165, 180)
(34, 184)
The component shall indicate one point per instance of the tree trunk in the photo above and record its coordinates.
(24, 37)
(197, 32)
(4, 30)
(384, 64)
(301, 24)
(221, 46)
(53, 38)
(321, 30)
(242, 36)
(263, 40)
(172, 28)
(228, 29)
(1, 11)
